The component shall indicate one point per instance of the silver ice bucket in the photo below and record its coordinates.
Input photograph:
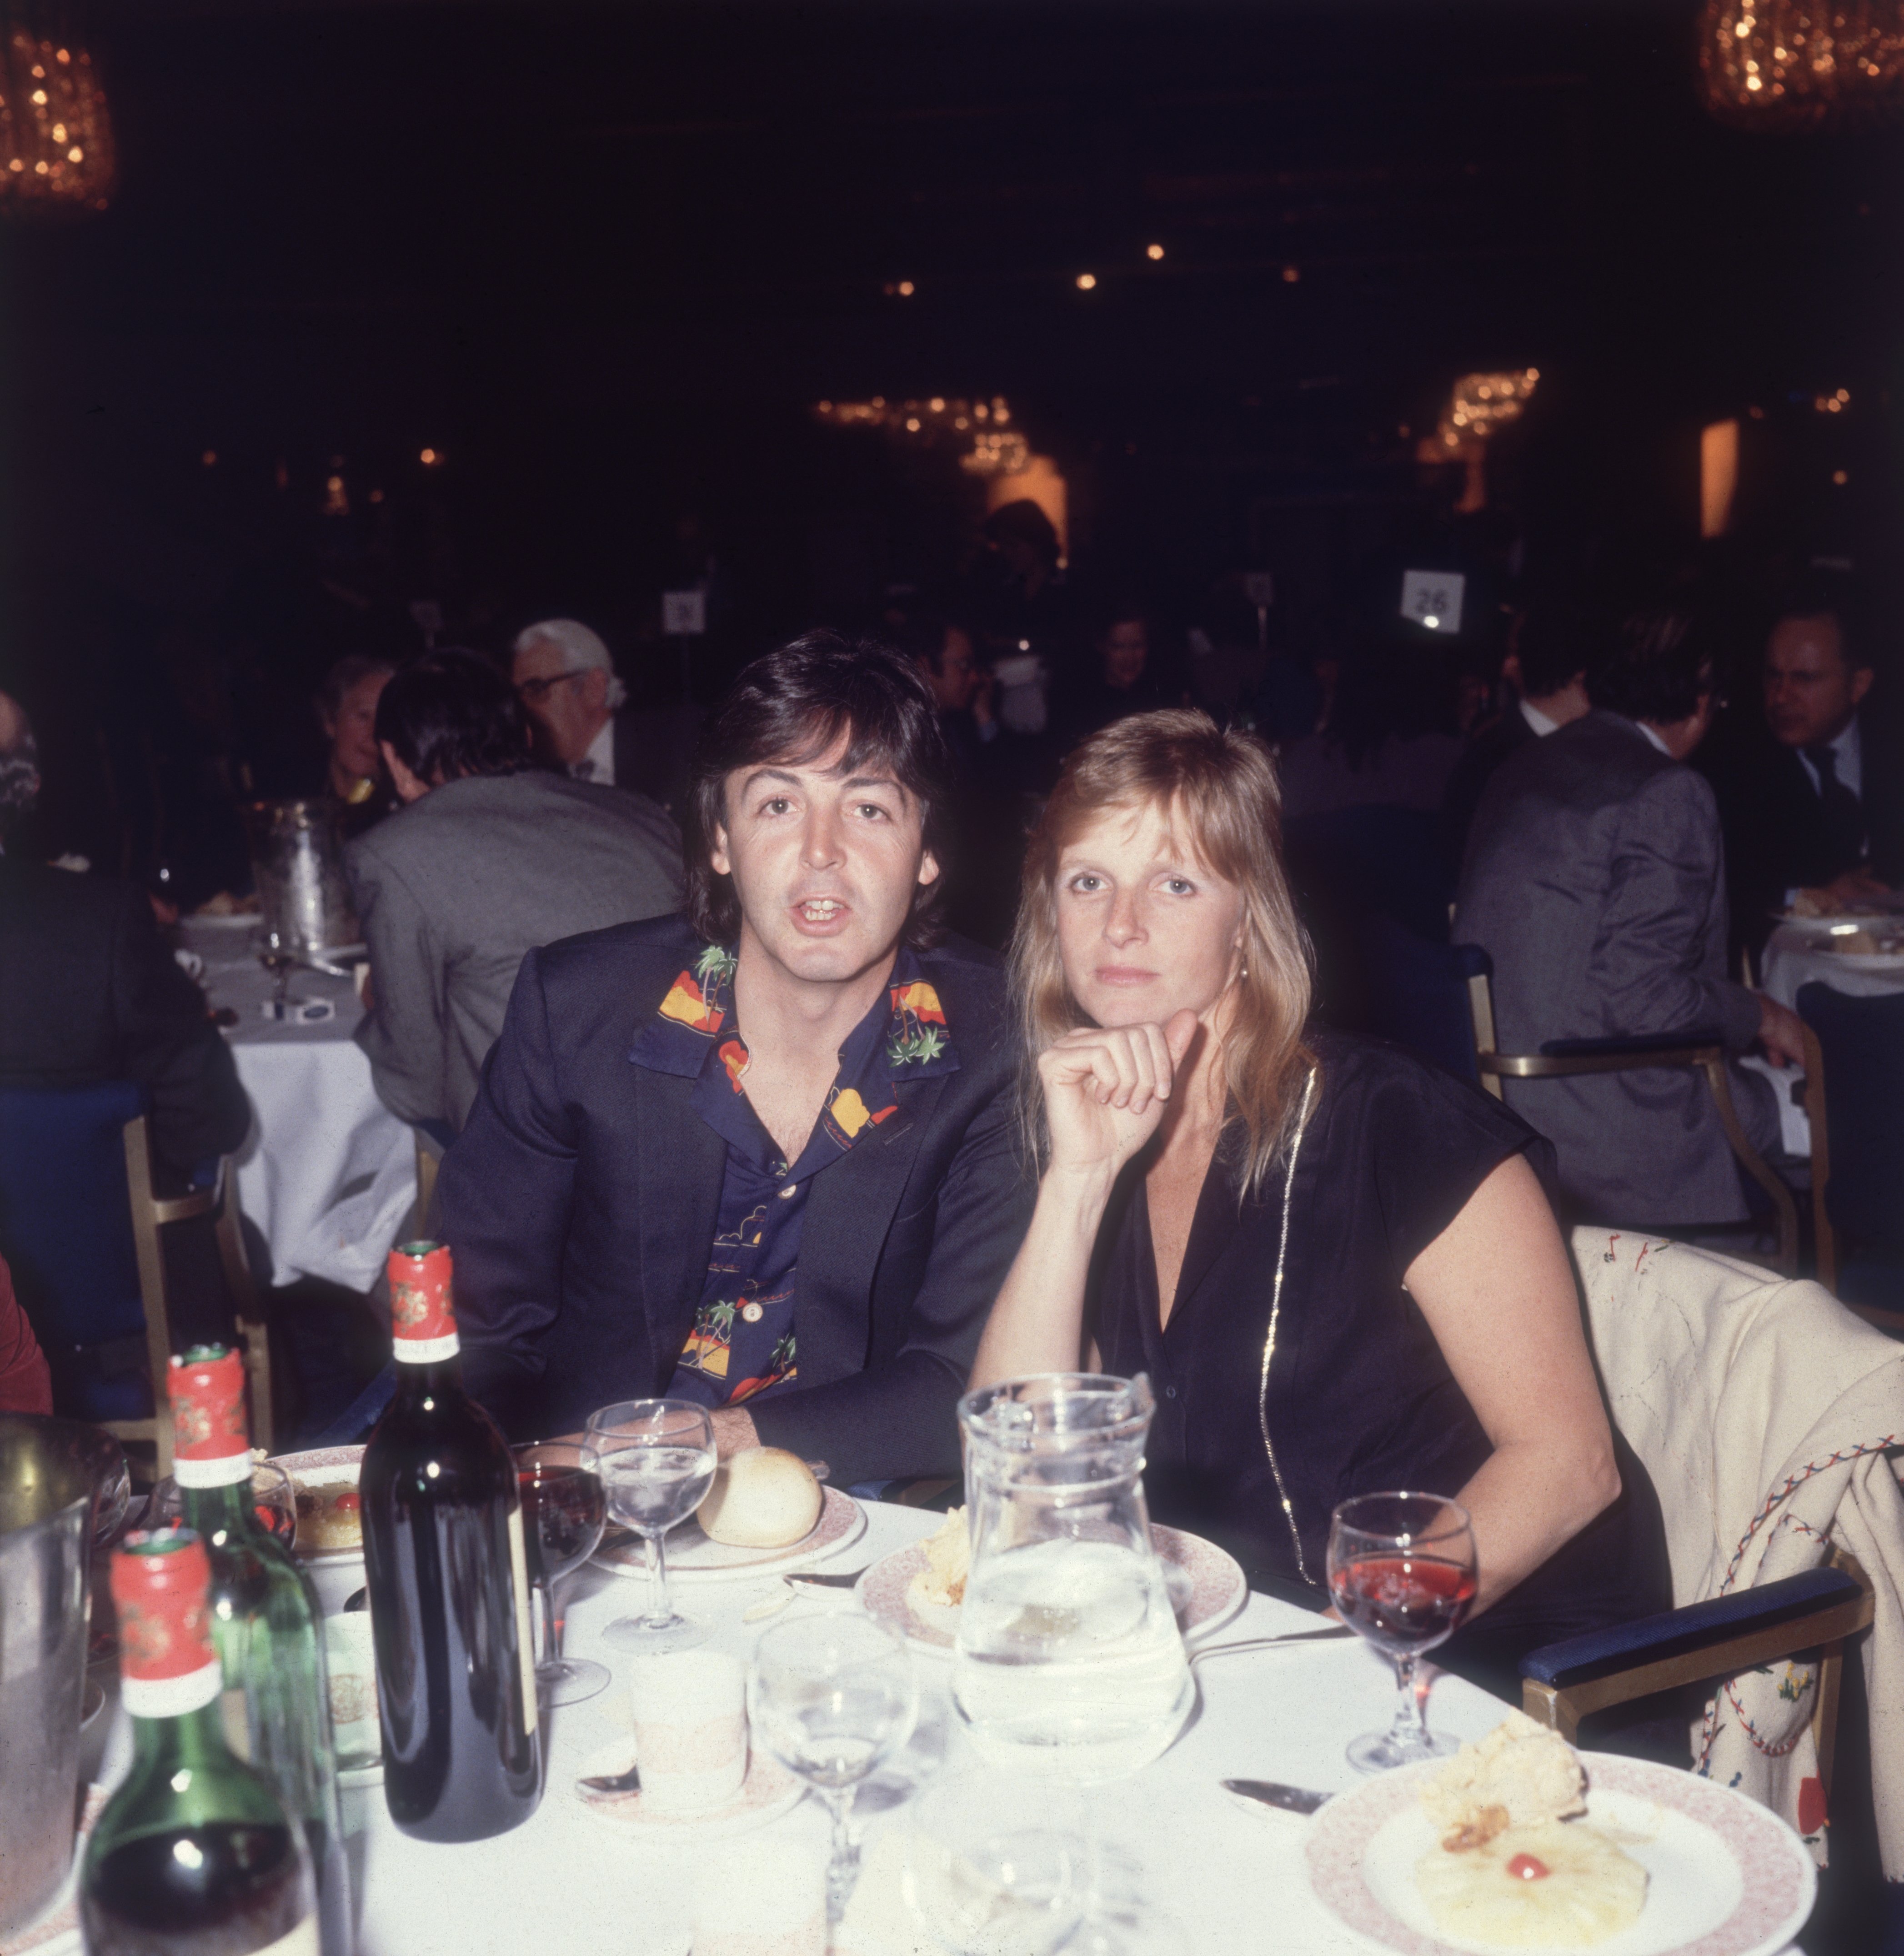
(57, 1479)
(297, 862)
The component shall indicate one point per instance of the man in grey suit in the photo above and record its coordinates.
(1595, 879)
(490, 857)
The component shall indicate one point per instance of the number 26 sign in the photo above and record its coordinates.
(1432, 598)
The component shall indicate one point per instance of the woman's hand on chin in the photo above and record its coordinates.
(1105, 1090)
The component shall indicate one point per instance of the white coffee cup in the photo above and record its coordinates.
(690, 1729)
(770, 1901)
(352, 1665)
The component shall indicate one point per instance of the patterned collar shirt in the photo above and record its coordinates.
(746, 1340)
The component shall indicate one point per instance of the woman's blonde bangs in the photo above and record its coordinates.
(1223, 786)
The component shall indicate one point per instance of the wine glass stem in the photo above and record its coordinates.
(1409, 1730)
(552, 1617)
(661, 1609)
(842, 1865)
(542, 1613)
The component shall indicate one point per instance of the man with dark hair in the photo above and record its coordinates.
(1594, 881)
(763, 1155)
(1809, 802)
(1546, 674)
(489, 857)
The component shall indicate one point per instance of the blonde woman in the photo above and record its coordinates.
(1336, 1263)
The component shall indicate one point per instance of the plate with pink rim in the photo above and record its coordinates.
(1724, 1876)
(768, 1791)
(1207, 1585)
(695, 1558)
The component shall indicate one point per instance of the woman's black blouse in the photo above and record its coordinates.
(1259, 1434)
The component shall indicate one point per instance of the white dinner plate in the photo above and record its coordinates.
(1207, 1584)
(768, 1791)
(693, 1558)
(1725, 1877)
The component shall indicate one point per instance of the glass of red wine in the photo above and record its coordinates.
(1401, 1572)
(563, 1514)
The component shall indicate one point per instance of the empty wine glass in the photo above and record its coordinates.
(564, 1510)
(656, 1463)
(1401, 1571)
(833, 1697)
(996, 1867)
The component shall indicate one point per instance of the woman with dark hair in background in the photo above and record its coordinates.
(1336, 1263)
(489, 857)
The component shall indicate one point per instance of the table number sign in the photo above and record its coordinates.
(1432, 598)
(684, 613)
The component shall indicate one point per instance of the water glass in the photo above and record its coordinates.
(997, 1866)
(564, 1511)
(833, 1697)
(656, 1462)
(1401, 1572)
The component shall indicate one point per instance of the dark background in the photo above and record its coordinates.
(605, 260)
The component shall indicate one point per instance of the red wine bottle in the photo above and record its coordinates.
(194, 1855)
(265, 1622)
(447, 1571)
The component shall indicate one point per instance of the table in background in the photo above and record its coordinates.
(1792, 957)
(327, 1174)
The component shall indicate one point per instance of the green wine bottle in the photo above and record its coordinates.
(194, 1855)
(265, 1622)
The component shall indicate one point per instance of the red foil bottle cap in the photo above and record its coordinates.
(422, 1324)
(211, 1446)
(168, 1664)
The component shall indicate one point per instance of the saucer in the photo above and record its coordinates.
(768, 1791)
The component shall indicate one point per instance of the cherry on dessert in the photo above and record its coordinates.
(1526, 1867)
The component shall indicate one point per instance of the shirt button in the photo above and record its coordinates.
(792, 1188)
(752, 1313)
(1170, 1391)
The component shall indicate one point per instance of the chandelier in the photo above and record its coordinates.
(1778, 65)
(55, 136)
(980, 431)
(1482, 402)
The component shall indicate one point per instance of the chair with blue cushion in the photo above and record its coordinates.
(1419, 993)
(81, 1230)
(1854, 1089)
(1720, 1379)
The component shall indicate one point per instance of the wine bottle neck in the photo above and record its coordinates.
(187, 1742)
(438, 1381)
(221, 1515)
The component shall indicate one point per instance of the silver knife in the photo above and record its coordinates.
(814, 1579)
(1285, 1799)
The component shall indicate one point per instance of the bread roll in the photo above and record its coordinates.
(762, 1498)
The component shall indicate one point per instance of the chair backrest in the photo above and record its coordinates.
(65, 1220)
(1417, 992)
(1861, 1042)
(1717, 1374)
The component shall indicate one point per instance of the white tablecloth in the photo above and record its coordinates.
(1793, 957)
(327, 1174)
(1230, 1879)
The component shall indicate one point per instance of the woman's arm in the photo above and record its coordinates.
(1498, 1293)
(1104, 1095)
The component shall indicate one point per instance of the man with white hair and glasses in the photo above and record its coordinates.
(568, 684)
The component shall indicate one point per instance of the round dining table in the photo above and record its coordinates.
(1227, 1880)
(1797, 955)
(327, 1174)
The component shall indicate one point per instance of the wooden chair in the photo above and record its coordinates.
(1696, 1049)
(1673, 1391)
(151, 1214)
(1808, 1617)
(430, 1153)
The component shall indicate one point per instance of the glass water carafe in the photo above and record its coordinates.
(1069, 1661)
